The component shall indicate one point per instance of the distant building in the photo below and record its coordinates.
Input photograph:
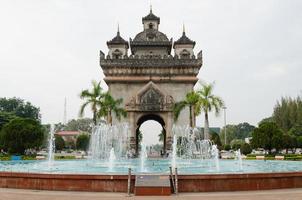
(69, 136)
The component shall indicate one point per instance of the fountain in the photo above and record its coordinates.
(194, 157)
(174, 152)
(105, 137)
(239, 159)
(143, 157)
(191, 145)
(111, 159)
(215, 154)
(51, 145)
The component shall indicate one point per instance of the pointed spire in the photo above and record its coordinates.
(150, 7)
(183, 29)
(118, 28)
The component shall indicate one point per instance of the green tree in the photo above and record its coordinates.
(161, 136)
(289, 142)
(83, 124)
(216, 140)
(92, 98)
(109, 106)
(244, 130)
(59, 143)
(236, 144)
(230, 133)
(6, 117)
(239, 131)
(268, 136)
(190, 101)
(246, 149)
(299, 141)
(288, 113)
(296, 130)
(82, 142)
(20, 108)
(208, 102)
(21, 134)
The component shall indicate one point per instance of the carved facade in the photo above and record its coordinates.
(150, 80)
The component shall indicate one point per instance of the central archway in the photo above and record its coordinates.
(148, 117)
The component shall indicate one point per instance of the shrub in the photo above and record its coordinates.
(59, 142)
(246, 149)
(82, 142)
(227, 147)
(21, 134)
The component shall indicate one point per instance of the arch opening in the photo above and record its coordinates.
(151, 130)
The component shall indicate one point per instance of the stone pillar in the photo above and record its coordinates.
(132, 125)
(169, 133)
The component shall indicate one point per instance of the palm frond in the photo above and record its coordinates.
(177, 108)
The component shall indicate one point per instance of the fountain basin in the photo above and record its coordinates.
(118, 183)
(194, 175)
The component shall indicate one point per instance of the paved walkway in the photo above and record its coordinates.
(16, 194)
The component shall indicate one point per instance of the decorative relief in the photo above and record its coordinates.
(151, 101)
(150, 98)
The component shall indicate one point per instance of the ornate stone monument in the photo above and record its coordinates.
(151, 80)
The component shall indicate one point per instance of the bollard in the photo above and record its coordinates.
(171, 174)
(176, 181)
(129, 181)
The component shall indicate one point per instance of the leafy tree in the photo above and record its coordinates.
(216, 140)
(244, 130)
(59, 142)
(190, 101)
(208, 102)
(236, 144)
(83, 124)
(288, 113)
(268, 119)
(289, 142)
(230, 133)
(19, 108)
(93, 98)
(161, 136)
(59, 127)
(21, 134)
(267, 136)
(296, 130)
(6, 117)
(109, 106)
(240, 131)
(299, 142)
(246, 149)
(82, 142)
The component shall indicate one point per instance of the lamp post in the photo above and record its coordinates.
(224, 111)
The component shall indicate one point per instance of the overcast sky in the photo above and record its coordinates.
(49, 50)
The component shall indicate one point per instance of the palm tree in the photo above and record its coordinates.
(190, 101)
(207, 102)
(110, 105)
(92, 98)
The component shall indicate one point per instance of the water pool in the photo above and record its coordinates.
(155, 166)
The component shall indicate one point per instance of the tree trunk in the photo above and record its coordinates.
(191, 121)
(193, 117)
(94, 118)
(206, 126)
(109, 117)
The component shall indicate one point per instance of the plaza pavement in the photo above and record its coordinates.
(16, 194)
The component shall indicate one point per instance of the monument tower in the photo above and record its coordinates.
(151, 79)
